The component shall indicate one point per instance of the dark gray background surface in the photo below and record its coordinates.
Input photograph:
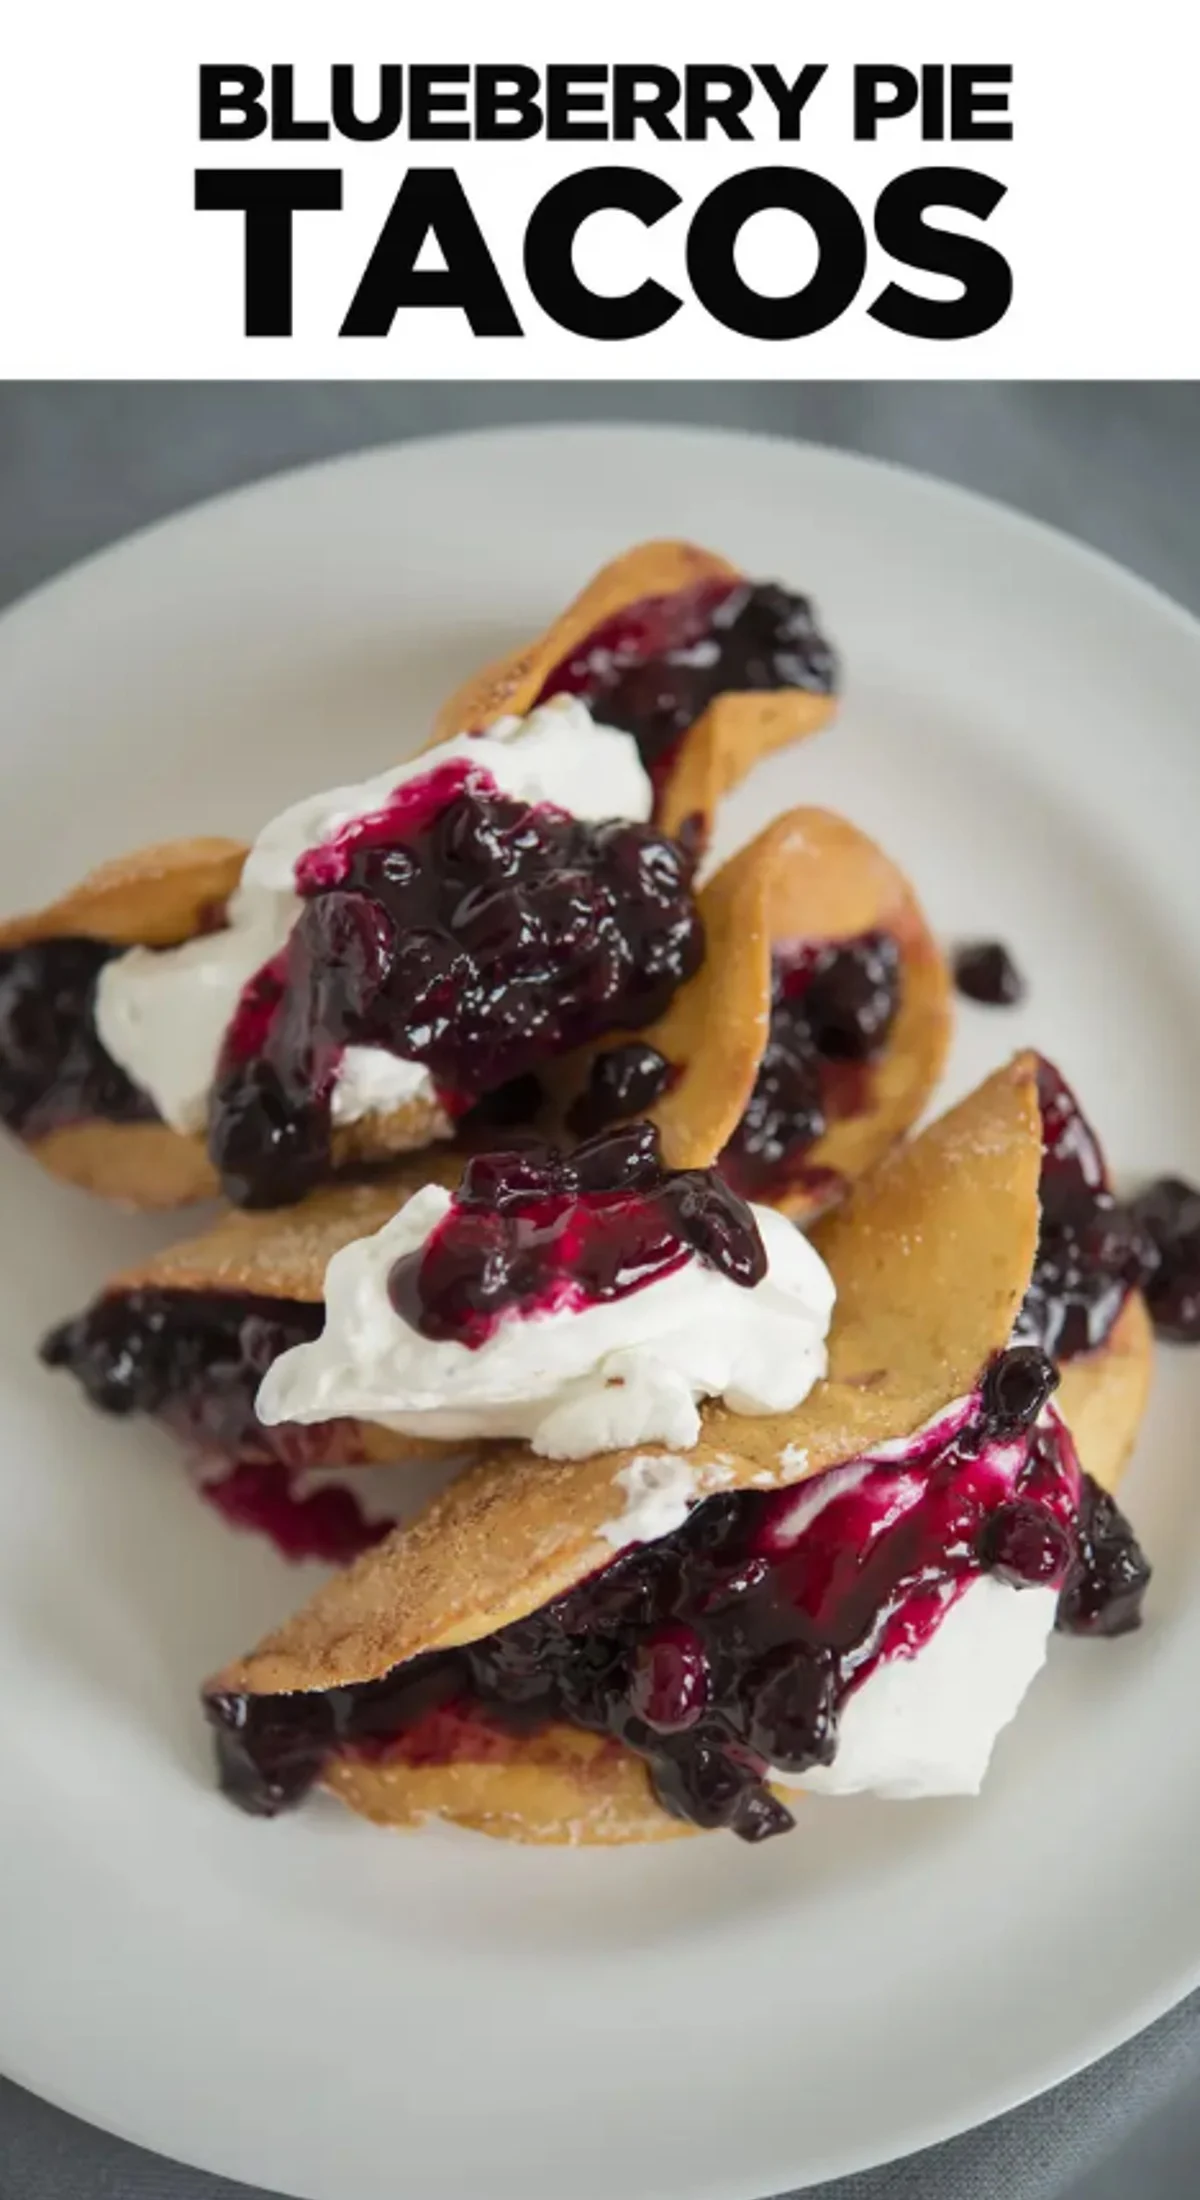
(1119, 465)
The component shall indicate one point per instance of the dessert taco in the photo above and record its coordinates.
(853, 1593)
(387, 955)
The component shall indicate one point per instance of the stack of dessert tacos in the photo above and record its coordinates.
(809, 877)
(798, 1043)
(932, 1257)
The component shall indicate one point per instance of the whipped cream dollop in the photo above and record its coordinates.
(162, 1013)
(927, 1725)
(610, 1374)
(925, 1718)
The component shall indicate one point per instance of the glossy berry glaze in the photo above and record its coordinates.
(730, 1646)
(1168, 1211)
(653, 668)
(269, 1497)
(623, 1082)
(193, 1360)
(1092, 1251)
(540, 1232)
(832, 1010)
(53, 1070)
(475, 935)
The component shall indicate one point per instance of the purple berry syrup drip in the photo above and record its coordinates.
(53, 1070)
(1091, 1250)
(653, 668)
(832, 1010)
(539, 1232)
(193, 1360)
(475, 935)
(730, 1646)
(267, 1497)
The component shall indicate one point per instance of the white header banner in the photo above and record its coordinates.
(674, 191)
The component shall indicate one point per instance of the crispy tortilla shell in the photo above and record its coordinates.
(155, 897)
(809, 876)
(725, 742)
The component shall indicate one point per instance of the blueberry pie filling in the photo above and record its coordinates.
(54, 1072)
(393, 955)
(192, 1360)
(539, 1232)
(833, 1006)
(623, 1082)
(457, 928)
(728, 1655)
(580, 1302)
(654, 667)
(1092, 1250)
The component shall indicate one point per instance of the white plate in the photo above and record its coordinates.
(341, 2014)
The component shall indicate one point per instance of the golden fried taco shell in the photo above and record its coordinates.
(152, 1167)
(809, 876)
(155, 897)
(717, 751)
(144, 1165)
(558, 1786)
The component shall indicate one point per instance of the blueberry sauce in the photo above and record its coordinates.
(194, 1361)
(653, 668)
(730, 1646)
(267, 1497)
(53, 1070)
(1109, 1573)
(536, 1232)
(514, 1106)
(623, 1082)
(1168, 1211)
(985, 971)
(832, 1009)
(1091, 1250)
(475, 935)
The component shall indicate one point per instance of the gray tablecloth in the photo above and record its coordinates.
(1118, 465)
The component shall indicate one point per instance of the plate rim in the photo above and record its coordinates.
(990, 2101)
